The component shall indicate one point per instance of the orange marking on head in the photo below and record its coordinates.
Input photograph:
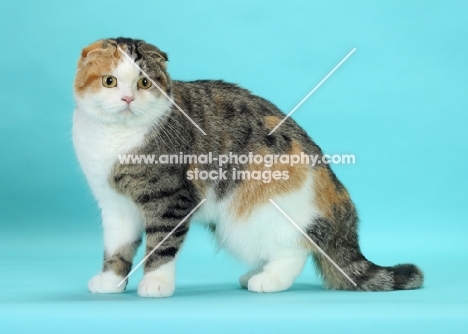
(95, 46)
(252, 193)
(96, 60)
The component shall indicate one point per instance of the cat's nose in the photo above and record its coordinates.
(127, 99)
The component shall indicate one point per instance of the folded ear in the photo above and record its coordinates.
(91, 48)
(162, 54)
(99, 49)
(150, 51)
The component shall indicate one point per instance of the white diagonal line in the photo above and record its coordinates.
(312, 91)
(313, 242)
(162, 241)
(162, 91)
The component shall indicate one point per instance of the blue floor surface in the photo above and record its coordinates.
(43, 289)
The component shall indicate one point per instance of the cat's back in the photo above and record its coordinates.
(221, 98)
(210, 88)
(238, 117)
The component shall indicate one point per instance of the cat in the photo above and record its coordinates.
(120, 111)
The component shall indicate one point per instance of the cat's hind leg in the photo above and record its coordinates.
(244, 279)
(278, 274)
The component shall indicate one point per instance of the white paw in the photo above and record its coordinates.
(106, 282)
(156, 286)
(244, 279)
(265, 282)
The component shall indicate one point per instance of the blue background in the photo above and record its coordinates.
(399, 103)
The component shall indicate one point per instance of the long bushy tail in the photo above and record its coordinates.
(368, 276)
(338, 239)
(335, 232)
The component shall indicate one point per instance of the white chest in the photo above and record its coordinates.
(98, 146)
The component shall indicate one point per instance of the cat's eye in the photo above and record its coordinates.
(109, 81)
(144, 83)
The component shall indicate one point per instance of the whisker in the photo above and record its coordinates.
(178, 123)
(174, 131)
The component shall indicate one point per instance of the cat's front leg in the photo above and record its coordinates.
(159, 278)
(161, 219)
(123, 229)
(159, 282)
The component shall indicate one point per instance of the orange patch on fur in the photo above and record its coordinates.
(96, 60)
(218, 99)
(271, 121)
(326, 194)
(199, 185)
(252, 193)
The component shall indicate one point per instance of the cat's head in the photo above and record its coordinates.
(109, 87)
